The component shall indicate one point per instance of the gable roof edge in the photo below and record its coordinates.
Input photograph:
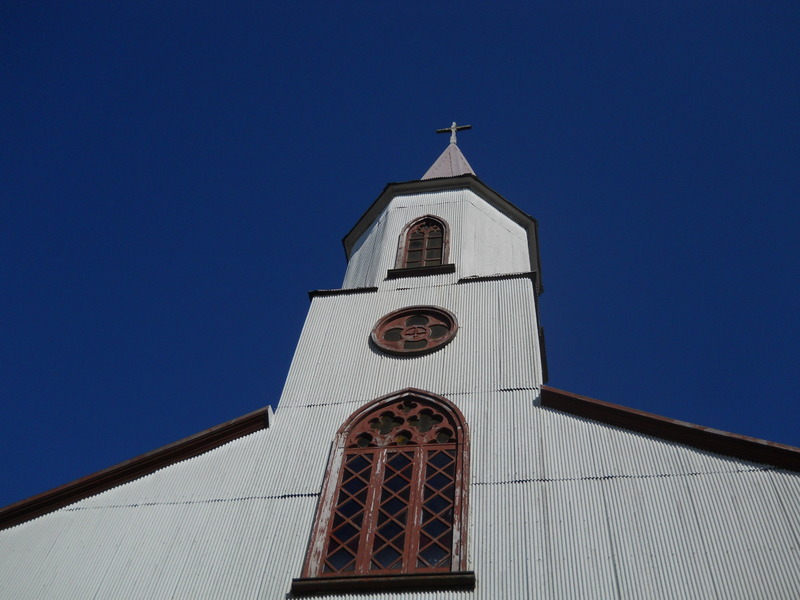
(134, 468)
(689, 434)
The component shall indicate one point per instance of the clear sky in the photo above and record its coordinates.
(175, 176)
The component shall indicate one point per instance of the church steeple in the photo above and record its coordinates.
(451, 163)
(473, 231)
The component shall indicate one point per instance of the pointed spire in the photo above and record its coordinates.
(451, 163)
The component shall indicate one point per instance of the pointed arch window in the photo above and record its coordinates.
(424, 243)
(394, 503)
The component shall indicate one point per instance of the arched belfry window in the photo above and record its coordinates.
(424, 243)
(394, 501)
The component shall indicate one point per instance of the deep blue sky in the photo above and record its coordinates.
(176, 176)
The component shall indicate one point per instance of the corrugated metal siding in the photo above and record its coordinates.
(483, 241)
(560, 508)
(203, 550)
(513, 439)
(494, 349)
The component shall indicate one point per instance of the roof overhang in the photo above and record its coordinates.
(468, 182)
(689, 434)
(137, 467)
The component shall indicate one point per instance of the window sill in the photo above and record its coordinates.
(417, 271)
(318, 586)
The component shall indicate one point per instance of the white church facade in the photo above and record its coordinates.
(417, 453)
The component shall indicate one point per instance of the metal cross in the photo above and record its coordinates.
(452, 129)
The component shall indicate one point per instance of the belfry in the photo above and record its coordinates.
(416, 452)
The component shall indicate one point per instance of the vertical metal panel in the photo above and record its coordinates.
(202, 550)
(497, 346)
(648, 529)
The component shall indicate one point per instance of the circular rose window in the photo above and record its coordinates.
(415, 330)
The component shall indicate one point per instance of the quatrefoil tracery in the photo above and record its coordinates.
(414, 329)
(404, 422)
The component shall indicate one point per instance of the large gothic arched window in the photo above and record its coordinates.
(394, 502)
(423, 244)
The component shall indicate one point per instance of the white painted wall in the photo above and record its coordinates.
(483, 241)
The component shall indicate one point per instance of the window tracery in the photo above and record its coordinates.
(415, 330)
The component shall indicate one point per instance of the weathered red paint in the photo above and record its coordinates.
(409, 332)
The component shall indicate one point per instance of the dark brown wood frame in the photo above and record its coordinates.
(314, 581)
(697, 436)
(402, 246)
(421, 271)
(460, 580)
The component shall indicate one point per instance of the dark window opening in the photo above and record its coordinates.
(424, 244)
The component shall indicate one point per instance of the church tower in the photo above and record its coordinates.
(417, 454)
(435, 328)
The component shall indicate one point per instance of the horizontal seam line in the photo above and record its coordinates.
(446, 394)
(605, 477)
(189, 502)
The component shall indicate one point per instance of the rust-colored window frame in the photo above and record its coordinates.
(410, 336)
(403, 246)
(409, 575)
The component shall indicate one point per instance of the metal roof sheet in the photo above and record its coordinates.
(451, 163)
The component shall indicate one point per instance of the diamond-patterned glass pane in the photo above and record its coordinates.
(438, 481)
(436, 527)
(348, 515)
(440, 459)
(350, 509)
(387, 558)
(358, 463)
(437, 504)
(346, 532)
(399, 460)
(396, 483)
(354, 485)
(384, 488)
(391, 529)
(433, 556)
(339, 561)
